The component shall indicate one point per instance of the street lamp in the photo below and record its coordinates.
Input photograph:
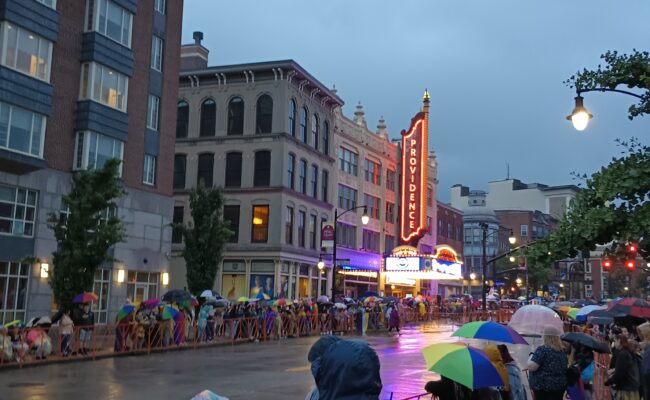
(580, 116)
(472, 276)
(511, 238)
(518, 281)
(364, 220)
(321, 263)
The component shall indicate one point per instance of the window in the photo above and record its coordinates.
(233, 169)
(264, 118)
(302, 177)
(325, 147)
(315, 126)
(260, 231)
(303, 124)
(430, 226)
(324, 185)
(313, 184)
(288, 226)
(231, 217)
(109, 19)
(372, 203)
(141, 286)
(292, 117)
(157, 45)
(177, 218)
(49, 3)
(159, 5)
(291, 166)
(153, 112)
(524, 230)
(346, 235)
(371, 240)
(429, 196)
(302, 216)
(103, 85)
(180, 161)
(468, 236)
(25, 51)
(236, 116)
(149, 170)
(94, 149)
(390, 212)
(208, 118)
(347, 197)
(14, 280)
(17, 211)
(21, 131)
(372, 172)
(101, 285)
(389, 243)
(262, 173)
(312, 232)
(182, 119)
(391, 179)
(348, 161)
(450, 231)
(205, 169)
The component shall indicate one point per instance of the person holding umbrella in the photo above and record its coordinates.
(86, 322)
(67, 328)
(547, 366)
(644, 332)
(626, 371)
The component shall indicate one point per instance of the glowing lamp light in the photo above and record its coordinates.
(365, 218)
(561, 285)
(392, 287)
(45, 270)
(472, 276)
(579, 116)
(257, 221)
(630, 264)
(512, 259)
(320, 264)
(120, 275)
(512, 239)
(165, 278)
(626, 288)
(518, 281)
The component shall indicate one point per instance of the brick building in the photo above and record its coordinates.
(83, 82)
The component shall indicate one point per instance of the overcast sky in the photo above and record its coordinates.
(494, 68)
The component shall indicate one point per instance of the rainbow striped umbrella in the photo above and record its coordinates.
(488, 330)
(87, 297)
(125, 311)
(169, 313)
(466, 365)
(573, 313)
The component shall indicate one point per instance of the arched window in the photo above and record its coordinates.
(205, 169)
(182, 119)
(236, 116)
(262, 171)
(264, 114)
(325, 137)
(315, 126)
(208, 118)
(292, 117)
(303, 124)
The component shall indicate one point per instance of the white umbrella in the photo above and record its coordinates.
(44, 321)
(206, 293)
(323, 299)
(534, 319)
(340, 305)
(584, 311)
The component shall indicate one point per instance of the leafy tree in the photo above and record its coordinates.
(85, 231)
(204, 238)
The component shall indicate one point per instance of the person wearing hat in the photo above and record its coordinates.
(315, 353)
(548, 366)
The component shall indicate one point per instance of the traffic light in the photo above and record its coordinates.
(631, 249)
(630, 264)
(607, 264)
(630, 260)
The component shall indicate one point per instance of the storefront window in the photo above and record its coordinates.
(101, 287)
(14, 278)
(142, 286)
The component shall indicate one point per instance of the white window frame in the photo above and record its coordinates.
(523, 230)
(32, 132)
(149, 170)
(93, 70)
(153, 112)
(25, 205)
(82, 150)
(94, 25)
(159, 5)
(13, 312)
(101, 314)
(45, 3)
(5, 26)
(157, 48)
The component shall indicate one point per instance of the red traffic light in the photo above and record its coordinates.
(631, 248)
(630, 264)
(607, 264)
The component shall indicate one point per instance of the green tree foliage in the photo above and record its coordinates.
(632, 71)
(204, 238)
(85, 232)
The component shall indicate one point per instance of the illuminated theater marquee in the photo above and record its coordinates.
(414, 178)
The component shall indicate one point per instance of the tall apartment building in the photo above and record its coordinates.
(264, 132)
(83, 82)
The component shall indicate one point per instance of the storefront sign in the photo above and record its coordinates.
(414, 178)
(327, 234)
(402, 264)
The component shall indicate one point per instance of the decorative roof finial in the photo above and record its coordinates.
(359, 115)
(381, 126)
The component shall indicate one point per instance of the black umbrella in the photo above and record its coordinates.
(390, 299)
(176, 296)
(603, 317)
(586, 340)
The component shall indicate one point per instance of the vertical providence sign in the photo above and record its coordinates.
(415, 142)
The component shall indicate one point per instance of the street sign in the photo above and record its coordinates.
(342, 261)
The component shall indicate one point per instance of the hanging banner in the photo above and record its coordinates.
(327, 234)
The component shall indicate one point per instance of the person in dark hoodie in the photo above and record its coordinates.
(626, 371)
(315, 353)
(348, 370)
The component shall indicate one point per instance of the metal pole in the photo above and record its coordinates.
(334, 271)
(484, 264)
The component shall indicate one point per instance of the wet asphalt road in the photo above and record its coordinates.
(267, 370)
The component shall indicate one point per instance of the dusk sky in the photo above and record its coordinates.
(495, 71)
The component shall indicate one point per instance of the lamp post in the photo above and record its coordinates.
(364, 220)
(512, 239)
(472, 276)
(580, 116)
